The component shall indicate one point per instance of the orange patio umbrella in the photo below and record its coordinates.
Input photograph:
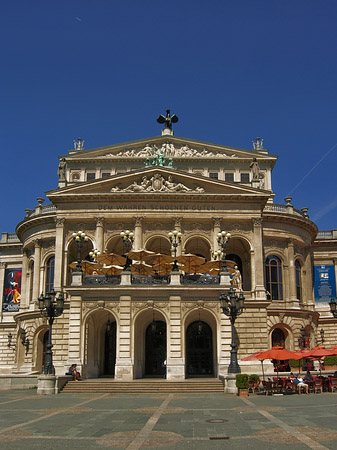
(278, 353)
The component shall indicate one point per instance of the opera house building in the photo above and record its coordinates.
(135, 253)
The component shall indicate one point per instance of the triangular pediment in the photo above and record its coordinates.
(156, 181)
(169, 147)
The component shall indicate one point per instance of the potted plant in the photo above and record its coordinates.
(330, 363)
(242, 383)
(295, 365)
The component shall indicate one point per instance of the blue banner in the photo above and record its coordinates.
(324, 283)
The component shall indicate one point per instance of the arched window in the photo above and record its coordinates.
(298, 280)
(50, 274)
(274, 277)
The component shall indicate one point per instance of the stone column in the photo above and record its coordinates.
(175, 367)
(177, 226)
(260, 291)
(24, 303)
(2, 282)
(216, 230)
(124, 363)
(252, 270)
(292, 275)
(59, 245)
(138, 243)
(308, 296)
(65, 268)
(99, 233)
(75, 320)
(36, 275)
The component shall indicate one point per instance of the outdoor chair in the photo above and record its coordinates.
(268, 387)
(333, 384)
(318, 385)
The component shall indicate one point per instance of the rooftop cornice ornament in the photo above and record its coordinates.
(167, 120)
(79, 144)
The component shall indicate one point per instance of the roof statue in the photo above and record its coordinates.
(168, 119)
(258, 144)
(79, 144)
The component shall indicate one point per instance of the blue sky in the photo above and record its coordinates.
(231, 71)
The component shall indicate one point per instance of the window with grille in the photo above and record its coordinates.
(274, 277)
(91, 176)
(244, 177)
(298, 270)
(50, 268)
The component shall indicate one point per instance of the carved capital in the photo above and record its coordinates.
(177, 221)
(99, 221)
(216, 221)
(37, 243)
(59, 221)
(257, 221)
(3, 265)
(138, 220)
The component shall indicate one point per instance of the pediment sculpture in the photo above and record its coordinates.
(170, 151)
(157, 183)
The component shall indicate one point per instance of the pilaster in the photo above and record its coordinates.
(59, 244)
(175, 367)
(99, 233)
(124, 364)
(294, 302)
(75, 320)
(216, 230)
(177, 226)
(138, 243)
(24, 303)
(36, 276)
(260, 291)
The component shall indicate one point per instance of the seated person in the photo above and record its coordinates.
(308, 377)
(74, 372)
(300, 383)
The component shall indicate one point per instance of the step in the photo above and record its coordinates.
(143, 386)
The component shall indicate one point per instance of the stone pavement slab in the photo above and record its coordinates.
(166, 421)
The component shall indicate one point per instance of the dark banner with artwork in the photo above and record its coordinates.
(12, 290)
(324, 283)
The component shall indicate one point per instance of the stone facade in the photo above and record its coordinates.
(152, 187)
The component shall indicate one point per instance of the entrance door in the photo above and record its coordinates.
(110, 349)
(199, 350)
(155, 349)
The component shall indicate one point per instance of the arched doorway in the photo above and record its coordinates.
(155, 349)
(110, 349)
(100, 345)
(199, 350)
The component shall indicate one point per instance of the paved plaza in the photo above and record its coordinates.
(166, 421)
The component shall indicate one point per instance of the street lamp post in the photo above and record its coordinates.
(223, 238)
(333, 307)
(175, 239)
(128, 239)
(232, 305)
(80, 237)
(50, 307)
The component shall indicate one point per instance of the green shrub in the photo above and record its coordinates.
(295, 362)
(254, 377)
(242, 381)
(330, 361)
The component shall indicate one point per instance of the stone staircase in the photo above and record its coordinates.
(143, 386)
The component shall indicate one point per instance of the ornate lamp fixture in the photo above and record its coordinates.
(175, 239)
(333, 307)
(322, 336)
(232, 305)
(24, 340)
(94, 253)
(223, 238)
(50, 307)
(80, 237)
(127, 239)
